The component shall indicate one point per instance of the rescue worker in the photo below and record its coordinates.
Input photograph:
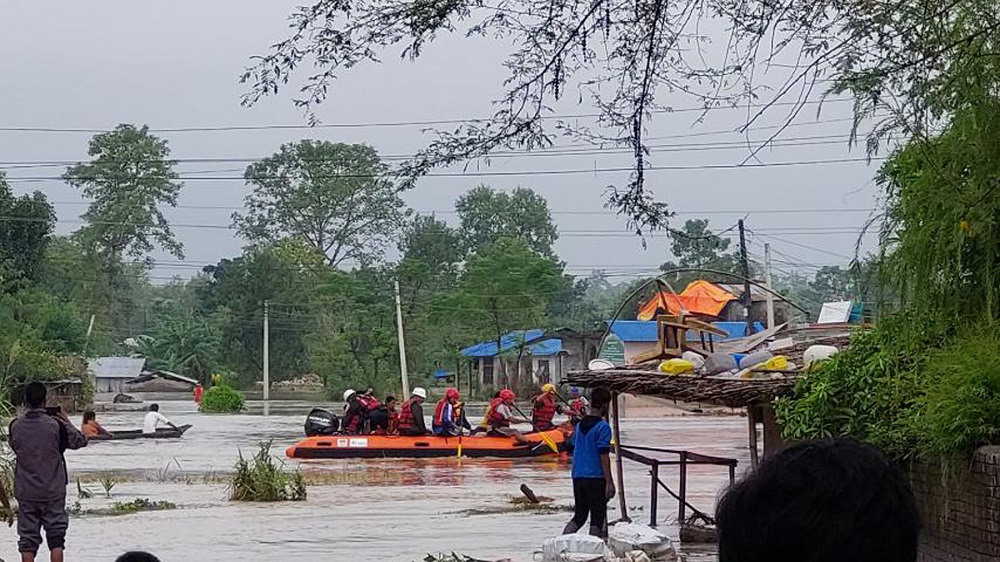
(484, 425)
(544, 408)
(579, 406)
(501, 416)
(381, 418)
(447, 418)
(411, 416)
(199, 393)
(354, 413)
(369, 405)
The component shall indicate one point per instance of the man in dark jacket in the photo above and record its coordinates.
(40, 478)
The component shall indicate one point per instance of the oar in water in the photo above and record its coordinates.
(461, 428)
(548, 440)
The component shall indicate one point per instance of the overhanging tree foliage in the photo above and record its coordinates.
(622, 57)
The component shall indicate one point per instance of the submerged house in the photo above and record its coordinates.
(526, 358)
(159, 380)
(111, 373)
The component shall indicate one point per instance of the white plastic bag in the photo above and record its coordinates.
(574, 548)
(626, 538)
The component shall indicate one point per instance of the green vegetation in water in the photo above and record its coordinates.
(124, 508)
(263, 479)
(520, 505)
(108, 483)
(222, 399)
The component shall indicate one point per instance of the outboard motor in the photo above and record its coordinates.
(321, 422)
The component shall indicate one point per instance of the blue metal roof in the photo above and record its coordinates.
(639, 331)
(546, 347)
(509, 341)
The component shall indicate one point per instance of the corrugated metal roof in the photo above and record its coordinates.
(510, 340)
(638, 331)
(116, 367)
(546, 347)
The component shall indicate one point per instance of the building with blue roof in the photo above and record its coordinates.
(530, 358)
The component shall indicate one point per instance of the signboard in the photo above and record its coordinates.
(360, 442)
(835, 312)
(613, 350)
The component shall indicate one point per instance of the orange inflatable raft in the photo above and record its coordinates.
(395, 446)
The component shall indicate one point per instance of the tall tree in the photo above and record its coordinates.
(129, 179)
(336, 197)
(506, 286)
(487, 215)
(26, 225)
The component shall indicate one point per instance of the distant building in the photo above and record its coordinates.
(528, 358)
(111, 373)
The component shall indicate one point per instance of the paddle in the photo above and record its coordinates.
(548, 440)
(461, 429)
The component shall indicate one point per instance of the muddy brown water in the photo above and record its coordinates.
(404, 510)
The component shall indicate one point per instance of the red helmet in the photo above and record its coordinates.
(451, 393)
(506, 395)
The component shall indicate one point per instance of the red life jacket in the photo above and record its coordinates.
(577, 405)
(405, 416)
(369, 402)
(352, 425)
(544, 410)
(439, 412)
(496, 419)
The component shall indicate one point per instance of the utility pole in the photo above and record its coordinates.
(767, 279)
(402, 344)
(267, 370)
(745, 263)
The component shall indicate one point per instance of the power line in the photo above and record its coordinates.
(414, 123)
(526, 173)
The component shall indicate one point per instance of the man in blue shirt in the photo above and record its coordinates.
(593, 485)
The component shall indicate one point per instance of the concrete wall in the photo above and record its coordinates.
(961, 521)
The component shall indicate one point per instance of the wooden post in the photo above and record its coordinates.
(619, 469)
(682, 489)
(653, 492)
(752, 423)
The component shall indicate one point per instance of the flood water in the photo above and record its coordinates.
(380, 510)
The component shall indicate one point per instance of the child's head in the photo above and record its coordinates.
(390, 401)
(89, 415)
(600, 398)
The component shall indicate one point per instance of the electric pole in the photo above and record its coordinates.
(745, 263)
(767, 279)
(402, 345)
(267, 370)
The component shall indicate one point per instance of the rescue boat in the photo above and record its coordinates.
(397, 446)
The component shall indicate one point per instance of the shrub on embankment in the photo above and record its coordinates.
(264, 479)
(222, 399)
(911, 387)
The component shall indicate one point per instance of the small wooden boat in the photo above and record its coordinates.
(161, 433)
(397, 446)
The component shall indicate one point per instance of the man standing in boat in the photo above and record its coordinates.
(411, 416)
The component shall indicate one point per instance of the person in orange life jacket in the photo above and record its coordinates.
(484, 425)
(501, 416)
(449, 419)
(544, 408)
(579, 406)
(354, 413)
(411, 415)
(593, 484)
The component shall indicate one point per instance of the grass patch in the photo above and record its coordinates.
(222, 399)
(518, 504)
(124, 508)
(263, 479)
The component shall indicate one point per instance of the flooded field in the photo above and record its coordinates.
(357, 510)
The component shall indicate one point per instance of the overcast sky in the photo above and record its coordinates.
(176, 64)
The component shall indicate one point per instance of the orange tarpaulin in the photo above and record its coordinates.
(699, 297)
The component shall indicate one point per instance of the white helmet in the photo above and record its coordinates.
(418, 391)
(348, 393)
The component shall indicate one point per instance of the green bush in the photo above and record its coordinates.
(262, 479)
(959, 409)
(222, 399)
